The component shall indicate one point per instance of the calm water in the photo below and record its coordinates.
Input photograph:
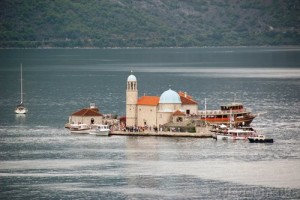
(39, 159)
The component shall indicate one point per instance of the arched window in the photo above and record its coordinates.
(179, 119)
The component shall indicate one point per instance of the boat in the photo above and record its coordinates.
(241, 116)
(260, 139)
(99, 130)
(80, 128)
(219, 128)
(21, 109)
(242, 133)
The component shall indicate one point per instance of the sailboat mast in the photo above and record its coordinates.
(21, 86)
(21, 109)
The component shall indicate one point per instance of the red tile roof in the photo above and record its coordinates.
(178, 113)
(148, 100)
(87, 112)
(186, 99)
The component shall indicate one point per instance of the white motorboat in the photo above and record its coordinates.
(237, 134)
(21, 109)
(80, 128)
(100, 130)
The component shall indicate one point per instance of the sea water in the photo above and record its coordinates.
(39, 159)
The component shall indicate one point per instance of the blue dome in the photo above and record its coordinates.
(131, 78)
(169, 96)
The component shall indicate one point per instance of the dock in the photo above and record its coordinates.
(203, 134)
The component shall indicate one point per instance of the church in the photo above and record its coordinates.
(154, 111)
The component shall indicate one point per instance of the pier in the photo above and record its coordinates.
(202, 133)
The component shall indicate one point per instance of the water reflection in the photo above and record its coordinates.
(142, 148)
(20, 119)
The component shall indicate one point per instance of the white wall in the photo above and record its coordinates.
(85, 120)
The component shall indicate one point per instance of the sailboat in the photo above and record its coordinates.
(21, 109)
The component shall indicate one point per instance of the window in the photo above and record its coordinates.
(179, 119)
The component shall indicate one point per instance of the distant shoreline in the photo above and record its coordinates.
(199, 47)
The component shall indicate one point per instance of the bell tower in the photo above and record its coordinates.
(131, 101)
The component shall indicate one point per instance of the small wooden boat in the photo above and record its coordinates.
(260, 139)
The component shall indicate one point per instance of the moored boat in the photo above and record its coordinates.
(236, 134)
(99, 130)
(260, 139)
(234, 112)
(80, 128)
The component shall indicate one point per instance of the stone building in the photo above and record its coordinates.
(88, 116)
(154, 111)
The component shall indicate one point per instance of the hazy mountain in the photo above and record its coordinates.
(148, 23)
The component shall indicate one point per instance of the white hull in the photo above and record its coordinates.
(80, 128)
(21, 110)
(95, 129)
(100, 130)
(229, 137)
(100, 133)
(237, 134)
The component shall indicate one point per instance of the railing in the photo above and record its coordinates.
(216, 112)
